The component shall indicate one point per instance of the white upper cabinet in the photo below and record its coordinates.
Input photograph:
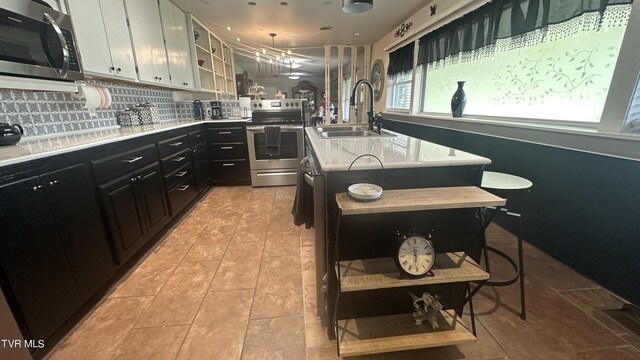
(174, 24)
(148, 41)
(103, 38)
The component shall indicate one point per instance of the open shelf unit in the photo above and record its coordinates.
(395, 332)
(213, 59)
(372, 335)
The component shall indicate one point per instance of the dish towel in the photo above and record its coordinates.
(302, 209)
(272, 135)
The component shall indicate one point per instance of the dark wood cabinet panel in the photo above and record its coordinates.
(153, 199)
(225, 134)
(124, 215)
(72, 198)
(35, 271)
(229, 170)
(201, 167)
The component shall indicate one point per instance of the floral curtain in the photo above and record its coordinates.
(509, 24)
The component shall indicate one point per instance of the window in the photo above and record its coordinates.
(399, 91)
(561, 71)
(399, 75)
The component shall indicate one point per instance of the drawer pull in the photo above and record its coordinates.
(226, 148)
(179, 158)
(181, 173)
(183, 188)
(224, 132)
(228, 164)
(133, 159)
(177, 143)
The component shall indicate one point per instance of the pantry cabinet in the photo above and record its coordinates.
(174, 27)
(103, 38)
(148, 41)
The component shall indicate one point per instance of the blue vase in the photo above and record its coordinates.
(458, 101)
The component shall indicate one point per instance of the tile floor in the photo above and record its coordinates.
(235, 280)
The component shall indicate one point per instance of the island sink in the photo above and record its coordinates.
(332, 132)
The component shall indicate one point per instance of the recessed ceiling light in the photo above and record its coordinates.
(325, 28)
(284, 3)
(228, 28)
(327, 3)
(252, 3)
(357, 34)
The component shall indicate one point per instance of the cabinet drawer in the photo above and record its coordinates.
(228, 151)
(229, 170)
(197, 137)
(175, 161)
(179, 174)
(119, 164)
(173, 145)
(226, 134)
(181, 195)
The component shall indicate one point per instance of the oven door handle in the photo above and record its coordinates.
(283, 128)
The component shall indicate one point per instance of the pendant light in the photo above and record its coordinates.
(356, 6)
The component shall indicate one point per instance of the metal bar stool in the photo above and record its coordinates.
(506, 185)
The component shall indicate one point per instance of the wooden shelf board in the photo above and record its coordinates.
(420, 199)
(389, 333)
(202, 49)
(382, 273)
(217, 57)
(204, 69)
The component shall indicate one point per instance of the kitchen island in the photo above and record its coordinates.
(408, 163)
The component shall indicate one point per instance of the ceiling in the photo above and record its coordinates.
(298, 24)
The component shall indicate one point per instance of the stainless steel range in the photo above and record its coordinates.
(279, 167)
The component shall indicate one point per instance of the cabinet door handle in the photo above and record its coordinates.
(133, 159)
(119, 69)
(228, 164)
(133, 179)
(177, 143)
(226, 148)
(183, 188)
(181, 173)
(37, 188)
(53, 183)
(112, 68)
(179, 158)
(224, 132)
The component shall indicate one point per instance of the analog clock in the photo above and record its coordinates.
(377, 79)
(415, 256)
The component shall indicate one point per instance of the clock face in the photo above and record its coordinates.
(416, 255)
(377, 78)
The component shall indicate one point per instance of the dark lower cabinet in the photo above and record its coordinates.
(54, 253)
(201, 166)
(136, 209)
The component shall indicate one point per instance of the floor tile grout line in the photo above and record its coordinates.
(246, 329)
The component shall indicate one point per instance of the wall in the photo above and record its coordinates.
(582, 210)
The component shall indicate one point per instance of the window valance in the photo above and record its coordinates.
(401, 60)
(509, 24)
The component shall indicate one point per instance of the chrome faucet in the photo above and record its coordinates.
(373, 118)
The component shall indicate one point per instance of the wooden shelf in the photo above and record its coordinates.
(420, 199)
(204, 69)
(381, 273)
(217, 57)
(202, 49)
(389, 333)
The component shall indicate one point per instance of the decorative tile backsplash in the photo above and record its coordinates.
(185, 110)
(42, 113)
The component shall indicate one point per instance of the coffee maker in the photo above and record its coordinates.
(216, 110)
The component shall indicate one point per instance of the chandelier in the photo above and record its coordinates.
(276, 65)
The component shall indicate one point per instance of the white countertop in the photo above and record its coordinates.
(400, 151)
(36, 147)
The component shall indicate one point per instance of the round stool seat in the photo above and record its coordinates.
(505, 182)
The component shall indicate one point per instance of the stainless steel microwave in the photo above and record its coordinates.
(37, 41)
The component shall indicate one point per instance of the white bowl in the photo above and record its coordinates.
(364, 191)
